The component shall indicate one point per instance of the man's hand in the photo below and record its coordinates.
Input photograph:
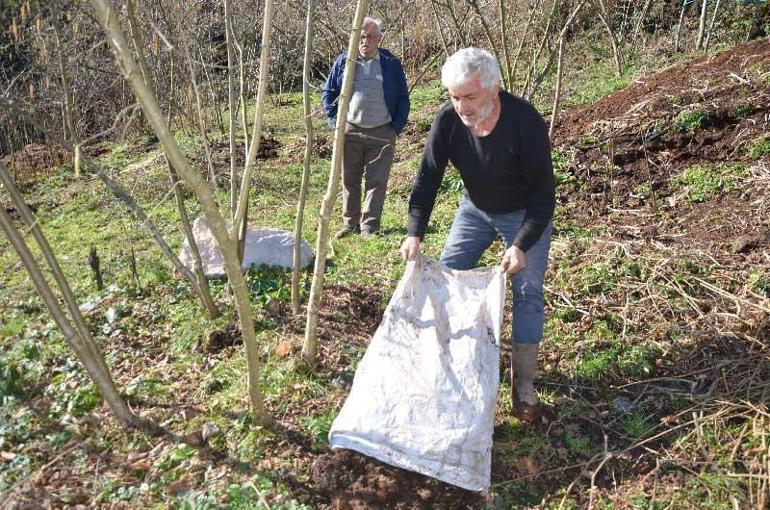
(514, 260)
(410, 248)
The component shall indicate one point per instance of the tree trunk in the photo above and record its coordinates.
(605, 19)
(233, 108)
(557, 92)
(202, 288)
(711, 26)
(241, 214)
(562, 35)
(438, 27)
(307, 62)
(108, 19)
(523, 38)
(136, 35)
(541, 46)
(678, 37)
(199, 110)
(84, 346)
(702, 24)
(488, 33)
(68, 98)
(310, 344)
(506, 62)
(639, 23)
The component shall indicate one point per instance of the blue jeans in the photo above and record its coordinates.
(473, 231)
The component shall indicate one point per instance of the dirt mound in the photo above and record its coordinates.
(322, 148)
(352, 481)
(704, 79)
(675, 150)
(33, 162)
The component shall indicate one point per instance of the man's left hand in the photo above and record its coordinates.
(514, 260)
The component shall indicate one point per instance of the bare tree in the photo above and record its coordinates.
(309, 33)
(702, 23)
(604, 16)
(557, 92)
(227, 241)
(241, 213)
(680, 26)
(310, 344)
(78, 336)
(68, 95)
(232, 106)
(711, 26)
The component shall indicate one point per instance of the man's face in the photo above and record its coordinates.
(370, 39)
(472, 102)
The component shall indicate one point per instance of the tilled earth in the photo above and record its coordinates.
(623, 151)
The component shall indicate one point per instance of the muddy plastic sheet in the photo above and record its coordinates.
(424, 394)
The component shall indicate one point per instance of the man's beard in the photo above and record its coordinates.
(482, 115)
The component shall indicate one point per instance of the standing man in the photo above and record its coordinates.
(499, 144)
(379, 107)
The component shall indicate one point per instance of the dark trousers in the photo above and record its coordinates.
(368, 156)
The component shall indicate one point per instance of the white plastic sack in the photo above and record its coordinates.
(271, 246)
(424, 394)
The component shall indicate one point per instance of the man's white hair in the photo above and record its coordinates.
(469, 62)
(372, 23)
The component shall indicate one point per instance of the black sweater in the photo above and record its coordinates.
(508, 170)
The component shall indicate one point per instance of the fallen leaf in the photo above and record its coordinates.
(529, 466)
(181, 485)
(283, 348)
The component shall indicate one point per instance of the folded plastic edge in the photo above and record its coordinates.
(393, 457)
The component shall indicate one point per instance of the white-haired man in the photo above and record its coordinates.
(500, 146)
(379, 107)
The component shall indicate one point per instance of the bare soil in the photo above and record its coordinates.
(624, 149)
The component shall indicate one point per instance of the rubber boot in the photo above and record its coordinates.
(523, 392)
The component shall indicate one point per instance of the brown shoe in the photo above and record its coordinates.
(346, 231)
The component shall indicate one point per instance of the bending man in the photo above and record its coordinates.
(379, 107)
(500, 146)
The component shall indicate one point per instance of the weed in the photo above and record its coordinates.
(9, 380)
(73, 392)
(433, 94)
(761, 283)
(690, 121)
(318, 427)
(636, 362)
(563, 177)
(252, 447)
(743, 111)
(760, 148)
(597, 279)
(269, 284)
(706, 182)
(635, 426)
(422, 125)
(595, 366)
(452, 182)
(251, 495)
(577, 442)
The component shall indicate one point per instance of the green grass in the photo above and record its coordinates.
(760, 148)
(690, 121)
(704, 182)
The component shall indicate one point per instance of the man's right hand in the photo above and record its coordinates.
(410, 248)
